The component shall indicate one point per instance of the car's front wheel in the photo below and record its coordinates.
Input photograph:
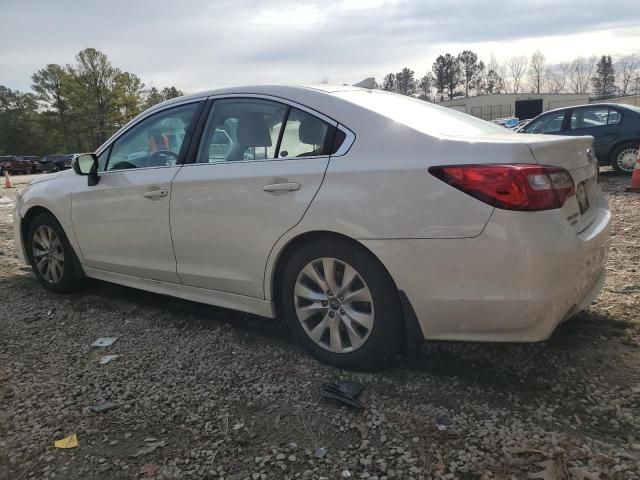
(51, 255)
(623, 158)
(341, 304)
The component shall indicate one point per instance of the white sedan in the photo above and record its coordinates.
(362, 218)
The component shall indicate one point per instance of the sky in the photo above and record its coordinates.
(204, 44)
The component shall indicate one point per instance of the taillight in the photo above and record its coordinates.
(510, 187)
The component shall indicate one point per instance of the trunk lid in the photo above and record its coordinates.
(574, 154)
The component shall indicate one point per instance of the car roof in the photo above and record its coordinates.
(273, 90)
(624, 106)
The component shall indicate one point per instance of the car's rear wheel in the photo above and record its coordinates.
(623, 158)
(51, 255)
(341, 304)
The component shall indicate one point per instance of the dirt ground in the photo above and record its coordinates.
(203, 392)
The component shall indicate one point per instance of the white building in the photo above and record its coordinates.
(519, 105)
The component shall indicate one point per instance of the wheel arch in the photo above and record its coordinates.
(411, 328)
(618, 143)
(25, 222)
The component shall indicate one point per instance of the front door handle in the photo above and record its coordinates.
(155, 193)
(282, 187)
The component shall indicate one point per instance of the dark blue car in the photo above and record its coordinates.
(615, 130)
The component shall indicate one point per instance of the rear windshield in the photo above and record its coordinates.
(420, 115)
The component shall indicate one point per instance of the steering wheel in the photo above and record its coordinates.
(160, 158)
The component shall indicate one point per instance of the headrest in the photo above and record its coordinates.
(252, 130)
(312, 131)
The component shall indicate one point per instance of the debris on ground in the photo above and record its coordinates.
(68, 442)
(107, 358)
(344, 391)
(149, 448)
(320, 452)
(104, 342)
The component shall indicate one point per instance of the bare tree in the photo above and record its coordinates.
(628, 68)
(580, 73)
(517, 67)
(556, 77)
(536, 71)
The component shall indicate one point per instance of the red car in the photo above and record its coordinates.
(14, 165)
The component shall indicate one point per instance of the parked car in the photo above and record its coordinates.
(61, 162)
(364, 219)
(614, 128)
(45, 165)
(33, 160)
(14, 165)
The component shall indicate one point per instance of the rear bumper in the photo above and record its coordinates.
(515, 282)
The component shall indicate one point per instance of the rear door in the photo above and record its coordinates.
(601, 122)
(258, 165)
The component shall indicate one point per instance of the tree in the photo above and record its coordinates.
(517, 68)
(628, 68)
(425, 85)
(493, 83)
(18, 127)
(471, 70)
(94, 96)
(172, 92)
(405, 82)
(52, 86)
(389, 82)
(537, 71)
(604, 81)
(129, 90)
(556, 77)
(446, 70)
(580, 73)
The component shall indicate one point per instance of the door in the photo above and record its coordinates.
(258, 166)
(526, 109)
(122, 223)
(601, 122)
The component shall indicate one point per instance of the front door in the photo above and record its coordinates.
(122, 223)
(258, 166)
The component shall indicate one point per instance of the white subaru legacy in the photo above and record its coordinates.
(362, 218)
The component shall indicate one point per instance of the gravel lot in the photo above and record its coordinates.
(203, 392)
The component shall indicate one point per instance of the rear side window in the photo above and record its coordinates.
(304, 136)
(590, 117)
(614, 117)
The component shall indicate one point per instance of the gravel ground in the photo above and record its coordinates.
(203, 392)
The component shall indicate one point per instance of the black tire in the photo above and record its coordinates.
(616, 157)
(384, 338)
(68, 280)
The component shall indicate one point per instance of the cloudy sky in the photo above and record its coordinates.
(202, 44)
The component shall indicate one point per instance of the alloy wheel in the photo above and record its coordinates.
(627, 159)
(334, 305)
(48, 254)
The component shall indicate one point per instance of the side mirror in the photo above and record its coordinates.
(87, 164)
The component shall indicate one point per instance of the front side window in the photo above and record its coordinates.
(590, 117)
(551, 123)
(154, 142)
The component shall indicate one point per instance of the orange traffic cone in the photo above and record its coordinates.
(7, 180)
(635, 177)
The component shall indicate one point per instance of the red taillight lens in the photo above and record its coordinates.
(510, 187)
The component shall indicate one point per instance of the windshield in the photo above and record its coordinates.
(421, 115)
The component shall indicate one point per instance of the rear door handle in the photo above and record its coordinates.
(282, 187)
(155, 193)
